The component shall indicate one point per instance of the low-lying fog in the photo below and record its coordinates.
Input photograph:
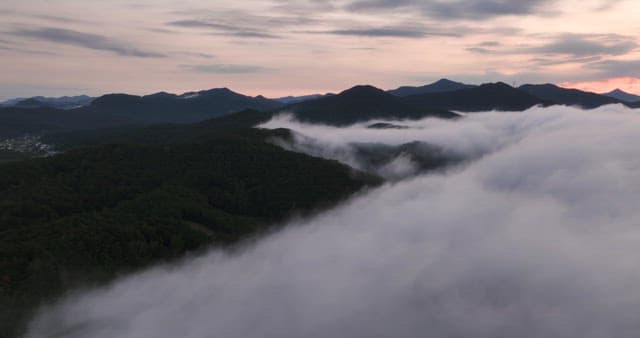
(534, 233)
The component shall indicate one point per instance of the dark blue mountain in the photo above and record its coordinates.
(568, 97)
(65, 102)
(490, 96)
(623, 96)
(298, 99)
(358, 104)
(440, 86)
(115, 110)
(189, 107)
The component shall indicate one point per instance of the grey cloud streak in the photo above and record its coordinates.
(457, 9)
(226, 68)
(397, 32)
(85, 40)
(224, 28)
(530, 241)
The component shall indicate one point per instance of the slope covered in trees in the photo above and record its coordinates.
(92, 213)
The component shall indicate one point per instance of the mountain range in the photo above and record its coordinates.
(353, 105)
(359, 104)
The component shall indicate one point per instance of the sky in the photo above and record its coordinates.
(294, 47)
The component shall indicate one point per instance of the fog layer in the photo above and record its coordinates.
(538, 237)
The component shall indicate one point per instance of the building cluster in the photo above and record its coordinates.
(28, 144)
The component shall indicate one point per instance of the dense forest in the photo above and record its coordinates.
(133, 198)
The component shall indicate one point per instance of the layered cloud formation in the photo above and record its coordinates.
(537, 237)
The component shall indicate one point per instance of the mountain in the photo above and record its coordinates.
(297, 99)
(133, 198)
(65, 102)
(358, 104)
(566, 96)
(490, 96)
(623, 96)
(442, 85)
(115, 110)
(189, 107)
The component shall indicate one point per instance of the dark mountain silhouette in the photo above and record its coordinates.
(383, 125)
(490, 96)
(65, 102)
(442, 85)
(566, 96)
(114, 110)
(32, 103)
(360, 103)
(189, 107)
(298, 99)
(623, 96)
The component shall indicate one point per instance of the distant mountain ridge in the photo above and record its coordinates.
(298, 99)
(486, 97)
(442, 85)
(64, 102)
(568, 97)
(164, 107)
(114, 110)
(359, 104)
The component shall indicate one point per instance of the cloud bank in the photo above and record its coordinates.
(537, 238)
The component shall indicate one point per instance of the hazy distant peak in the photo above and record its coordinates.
(621, 95)
(447, 82)
(64, 102)
(442, 85)
(498, 84)
(223, 90)
(160, 95)
(296, 99)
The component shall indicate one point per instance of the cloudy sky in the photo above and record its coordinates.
(281, 47)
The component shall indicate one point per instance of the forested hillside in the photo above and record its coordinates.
(94, 212)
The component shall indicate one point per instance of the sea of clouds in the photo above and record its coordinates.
(537, 235)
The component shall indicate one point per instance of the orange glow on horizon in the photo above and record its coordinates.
(628, 84)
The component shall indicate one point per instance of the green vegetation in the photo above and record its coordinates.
(93, 213)
(10, 156)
